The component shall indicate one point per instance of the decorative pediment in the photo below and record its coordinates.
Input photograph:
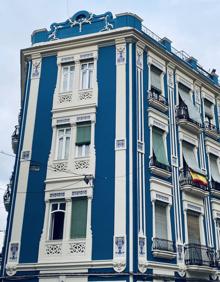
(81, 23)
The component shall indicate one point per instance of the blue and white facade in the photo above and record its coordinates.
(117, 171)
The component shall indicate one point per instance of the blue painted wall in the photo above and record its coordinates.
(24, 106)
(103, 199)
(34, 205)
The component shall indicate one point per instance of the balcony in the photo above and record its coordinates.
(189, 185)
(185, 121)
(199, 257)
(211, 130)
(163, 248)
(7, 198)
(215, 188)
(14, 140)
(157, 100)
(159, 169)
(65, 250)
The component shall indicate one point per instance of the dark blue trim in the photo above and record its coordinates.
(34, 204)
(104, 183)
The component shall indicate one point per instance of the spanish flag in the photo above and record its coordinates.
(198, 178)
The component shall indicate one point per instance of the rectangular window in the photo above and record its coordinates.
(159, 149)
(156, 80)
(87, 75)
(214, 168)
(57, 216)
(189, 156)
(83, 139)
(79, 218)
(193, 227)
(67, 78)
(63, 143)
(218, 233)
(186, 100)
(209, 111)
(161, 220)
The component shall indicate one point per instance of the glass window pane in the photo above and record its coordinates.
(84, 80)
(90, 83)
(79, 217)
(60, 149)
(83, 134)
(62, 206)
(54, 207)
(57, 222)
(87, 150)
(64, 79)
(67, 147)
(79, 150)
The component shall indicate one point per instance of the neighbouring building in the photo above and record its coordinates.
(117, 170)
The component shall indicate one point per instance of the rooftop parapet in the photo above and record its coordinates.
(84, 22)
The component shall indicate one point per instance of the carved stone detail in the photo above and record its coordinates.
(11, 270)
(65, 98)
(170, 78)
(81, 164)
(53, 249)
(60, 166)
(77, 247)
(85, 95)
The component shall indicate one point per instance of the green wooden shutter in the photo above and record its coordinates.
(160, 220)
(83, 136)
(79, 218)
(158, 146)
(214, 168)
(155, 77)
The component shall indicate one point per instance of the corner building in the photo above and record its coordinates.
(117, 170)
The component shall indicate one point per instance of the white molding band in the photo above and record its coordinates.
(24, 165)
(119, 255)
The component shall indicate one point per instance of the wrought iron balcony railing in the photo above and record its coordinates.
(154, 162)
(196, 254)
(14, 139)
(182, 113)
(157, 96)
(186, 179)
(215, 185)
(209, 126)
(163, 245)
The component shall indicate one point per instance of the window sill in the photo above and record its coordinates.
(160, 172)
(163, 254)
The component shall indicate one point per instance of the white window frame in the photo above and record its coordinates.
(89, 83)
(64, 136)
(164, 141)
(82, 151)
(217, 232)
(50, 218)
(168, 207)
(70, 78)
(161, 79)
(201, 222)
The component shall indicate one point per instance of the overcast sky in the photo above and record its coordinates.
(192, 25)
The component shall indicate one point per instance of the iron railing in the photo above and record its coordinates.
(14, 139)
(208, 125)
(186, 179)
(154, 162)
(196, 254)
(215, 185)
(156, 95)
(163, 245)
(179, 53)
(182, 113)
